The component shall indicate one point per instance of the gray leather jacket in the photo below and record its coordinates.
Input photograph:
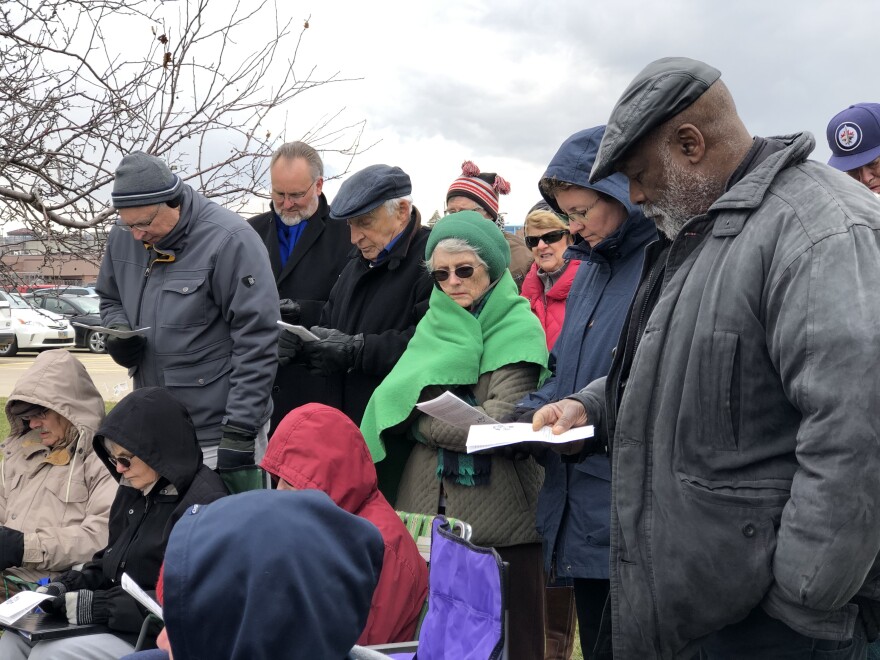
(212, 314)
(745, 452)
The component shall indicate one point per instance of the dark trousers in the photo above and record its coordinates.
(525, 627)
(761, 637)
(589, 598)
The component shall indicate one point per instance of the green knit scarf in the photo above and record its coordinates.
(452, 347)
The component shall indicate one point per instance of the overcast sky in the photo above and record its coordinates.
(503, 82)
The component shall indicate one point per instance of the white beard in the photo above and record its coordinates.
(291, 221)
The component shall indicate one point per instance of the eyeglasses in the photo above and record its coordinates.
(140, 226)
(478, 209)
(581, 216)
(124, 461)
(548, 238)
(38, 415)
(461, 272)
(281, 197)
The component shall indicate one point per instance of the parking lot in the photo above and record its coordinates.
(111, 380)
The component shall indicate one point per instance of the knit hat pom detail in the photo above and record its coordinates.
(501, 186)
(469, 169)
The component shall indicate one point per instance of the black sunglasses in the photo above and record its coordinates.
(548, 238)
(462, 272)
(124, 461)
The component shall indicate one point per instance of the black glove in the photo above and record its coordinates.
(11, 548)
(869, 613)
(521, 451)
(236, 448)
(335, 352)
(290, 349)
(126, 352)
(56, 605)
(291, 312)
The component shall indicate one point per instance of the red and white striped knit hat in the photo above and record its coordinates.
(481, 188)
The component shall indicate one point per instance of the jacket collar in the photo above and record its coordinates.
(749, 193)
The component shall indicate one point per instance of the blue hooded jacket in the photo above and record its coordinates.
(575, 502)
(269, 574)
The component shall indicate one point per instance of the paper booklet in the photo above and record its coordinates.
(489, 436)
(141, 596)
(113, 332)
(19, 605)
(300, 331)
(450, 409)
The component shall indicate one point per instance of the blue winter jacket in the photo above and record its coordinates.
(575, 501)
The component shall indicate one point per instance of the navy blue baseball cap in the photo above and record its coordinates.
(854, 136)
(368, 189)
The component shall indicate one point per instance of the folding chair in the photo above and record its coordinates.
(467, 603)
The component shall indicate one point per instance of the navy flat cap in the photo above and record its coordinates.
(366, 190)
(662, 90)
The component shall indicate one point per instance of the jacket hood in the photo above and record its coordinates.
(573, 162)
(297, 584)
(155, 427)
(58, 381)
(301, 454)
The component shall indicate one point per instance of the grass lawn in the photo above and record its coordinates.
(4, 424)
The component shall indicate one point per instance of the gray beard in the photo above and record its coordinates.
(687, 194)
(291, 222)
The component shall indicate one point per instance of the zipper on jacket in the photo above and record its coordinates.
(160, 257)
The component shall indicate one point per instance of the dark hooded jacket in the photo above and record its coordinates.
(152, 425)
(300, 454)
(297, 586)
(574, 504)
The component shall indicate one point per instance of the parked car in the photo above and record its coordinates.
(77, 309)
(63, 289)
(7, 334)
(34, 329)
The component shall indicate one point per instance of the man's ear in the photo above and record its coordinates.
(689, 143)
(405, 210)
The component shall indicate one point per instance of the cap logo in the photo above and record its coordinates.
(849, 136)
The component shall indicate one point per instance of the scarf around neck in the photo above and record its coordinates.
(451, 348)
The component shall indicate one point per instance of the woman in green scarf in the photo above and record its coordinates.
(480, 341)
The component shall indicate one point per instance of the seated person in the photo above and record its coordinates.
(298, 585)
(149, 444)
(55, 494)
(300, 457)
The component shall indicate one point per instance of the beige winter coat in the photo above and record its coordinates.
(63, 509)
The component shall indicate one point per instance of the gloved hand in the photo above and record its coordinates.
(869, 613)
(236, 448)
(11, 548)
(291, 312)
(290, 349)
(126, 352)
(56, 605)
(86, 606)
(521, 451)
(335, 352)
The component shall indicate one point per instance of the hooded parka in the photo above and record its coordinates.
(300, 454)
(574, 504)
(59, 500)
(153, 426)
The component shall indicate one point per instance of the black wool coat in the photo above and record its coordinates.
(320, 254)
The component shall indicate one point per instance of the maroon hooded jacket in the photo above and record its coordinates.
(318, 447)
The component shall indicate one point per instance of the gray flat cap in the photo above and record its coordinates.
(662, 90)
(143, 180)
(366, 190)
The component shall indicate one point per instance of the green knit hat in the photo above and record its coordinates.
(480, 233)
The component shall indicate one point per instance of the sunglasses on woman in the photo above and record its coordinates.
(462, 273)
(548, 238)
(124, 461)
